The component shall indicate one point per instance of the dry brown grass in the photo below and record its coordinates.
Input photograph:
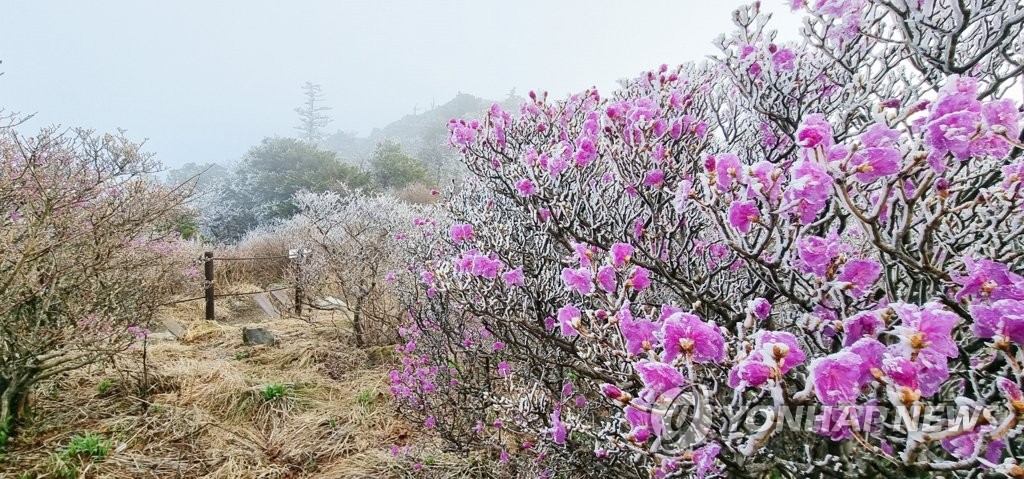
(208, 416)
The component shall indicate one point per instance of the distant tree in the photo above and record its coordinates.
(312, 116)
(269, 175)
(206, 175)
(393, 168)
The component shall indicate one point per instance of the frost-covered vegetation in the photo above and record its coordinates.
(793, 259)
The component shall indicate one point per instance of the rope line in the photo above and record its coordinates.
(224, 295)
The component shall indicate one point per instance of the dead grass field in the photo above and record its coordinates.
(311, 406)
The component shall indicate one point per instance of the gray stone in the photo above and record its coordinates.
(257, 336)
(174, 327)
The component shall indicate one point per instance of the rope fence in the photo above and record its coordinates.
(208, 287)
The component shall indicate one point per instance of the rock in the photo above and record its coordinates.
(257, 336)
(175, 328)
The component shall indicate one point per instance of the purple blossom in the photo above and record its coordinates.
(621, 253)
(654, 178)
(752, 371)
(658, 377)
(639, 334)
(815, 131)
(962, 446)
(461, 233)
(987, 279)
(860, 274)
(567, 315)
(513, 277)
(704, 459)
(871, 352)
(525, 187)
(782, 347)
(640, 422)
(697, 340)
(953, 119)
(1003, 318)
(504, 370)
(927, 327)
(782, 60)
(578, 280)
(810, 187)
(613, 392)
(816, 253)
(728, 169)
(640, 279)
(835, 378)
(759, 307)
(880, 156)
(606, 278)
(863, 324)
(558, 431)
(742, 214)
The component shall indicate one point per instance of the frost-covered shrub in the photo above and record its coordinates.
(830, 227)
(349, 247)
(89, 252)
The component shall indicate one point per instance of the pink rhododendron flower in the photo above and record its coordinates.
(704, 459)
(558, 431)
(525, 187)
(926, 327)
(654, 178)
(835, 378)
(861, 274)
(962, 446)
(1003, 318)
(640, 279)
(782, 347)
(742, 214)
(578, 280)
(658, 377)
(880, 156)
(863, 324)
(815, 131)
(759, 307)
(640, 422)
(752, 371)
(621, 253)
(638, 333)
(810, 187)
(686, 334)
(816, 253)
(728, 170)
(606, 278)
(783, 59)
(513, 277)
(987, 279)
(566, 316)
(461, 233)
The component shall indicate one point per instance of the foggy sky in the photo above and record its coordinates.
(205, 80)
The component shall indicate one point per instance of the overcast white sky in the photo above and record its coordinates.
(205, 80)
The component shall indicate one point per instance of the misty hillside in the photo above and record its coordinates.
(423, 135)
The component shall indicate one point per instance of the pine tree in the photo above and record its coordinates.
(311, 114)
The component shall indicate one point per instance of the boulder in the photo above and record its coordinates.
(257, 336)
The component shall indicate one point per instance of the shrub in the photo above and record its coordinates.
(830, 224)
(352, 255)
(89, 253)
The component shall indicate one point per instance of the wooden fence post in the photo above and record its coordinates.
(208, 286)
(298, 282)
